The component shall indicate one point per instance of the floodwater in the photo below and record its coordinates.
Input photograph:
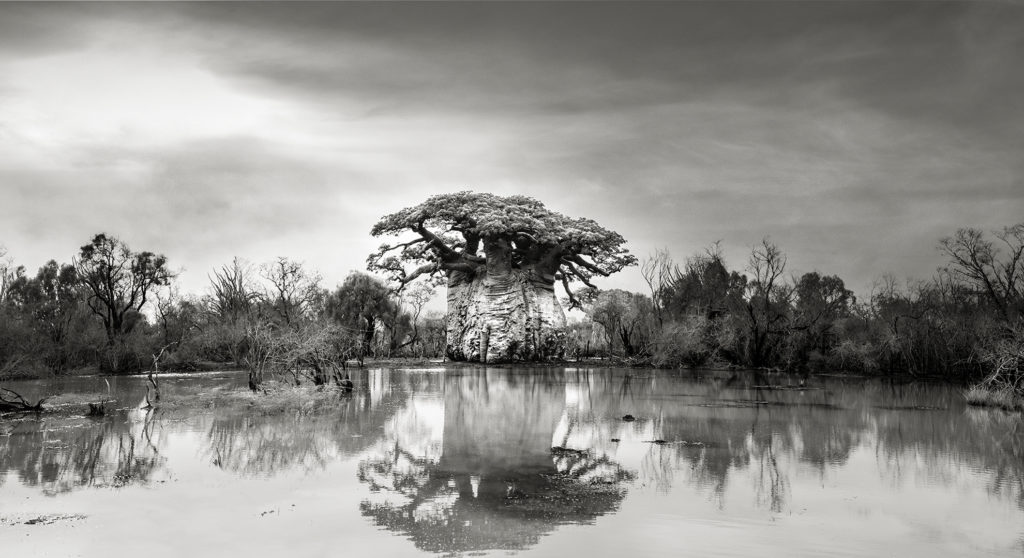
(460, 462)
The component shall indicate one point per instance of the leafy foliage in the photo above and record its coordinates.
(950, 325)
(963, 323)
(119, 281)
(625, 317)
(52, 305)
(360, 305)
(452, 233)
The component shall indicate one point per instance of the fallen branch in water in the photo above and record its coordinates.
(13, 402)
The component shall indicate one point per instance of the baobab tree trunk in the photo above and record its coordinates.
(502, 314)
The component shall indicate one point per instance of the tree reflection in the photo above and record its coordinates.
(463, 460)
(720, 429)
(253, 444)
(59, 455)
(495, 481)
(62, 453)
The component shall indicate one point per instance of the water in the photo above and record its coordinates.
(460, 462)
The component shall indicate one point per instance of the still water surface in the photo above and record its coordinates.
(460, 462)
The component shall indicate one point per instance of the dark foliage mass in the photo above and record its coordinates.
(961, 324)
(118, 310)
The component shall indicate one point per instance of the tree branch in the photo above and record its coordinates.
(575, 258)
(573, 301)
(578, 274)
(445, 251)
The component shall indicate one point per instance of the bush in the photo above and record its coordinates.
(854, 356)
(687, 342)
(986, 396)
(313, 351)
(1004, 384)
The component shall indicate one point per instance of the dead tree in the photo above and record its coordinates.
(154, 387)
(13, 402)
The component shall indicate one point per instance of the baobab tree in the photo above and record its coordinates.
(500, 258)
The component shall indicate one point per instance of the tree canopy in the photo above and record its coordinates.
(359, 304)
(993, 270)
(467, 232)
(118, 280)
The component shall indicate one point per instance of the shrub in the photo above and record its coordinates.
(687, 342)
(854, 356)
(1004, 384)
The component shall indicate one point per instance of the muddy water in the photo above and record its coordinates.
(461, 462)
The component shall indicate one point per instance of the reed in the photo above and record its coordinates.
(1003, 397)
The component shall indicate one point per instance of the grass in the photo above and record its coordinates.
(999, 397)
(273, 398)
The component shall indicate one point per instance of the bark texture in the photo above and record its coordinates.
(503, 317)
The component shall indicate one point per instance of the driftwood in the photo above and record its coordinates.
(13, 402)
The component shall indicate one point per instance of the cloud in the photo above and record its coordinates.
(854, 133)
(26, 31)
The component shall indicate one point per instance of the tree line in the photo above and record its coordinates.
(120, 311)
(960, 324)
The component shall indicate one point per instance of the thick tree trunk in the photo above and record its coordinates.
(503, 314)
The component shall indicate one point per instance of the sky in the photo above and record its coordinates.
(854, 134)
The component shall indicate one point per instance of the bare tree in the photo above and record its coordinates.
(311, 351)
(234, 293)
(417, 297)
(8, 273)
(994, 270)
(293, 289)
(177, 316)
(767, 302)
(658, 270)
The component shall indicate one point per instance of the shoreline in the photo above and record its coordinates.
(204, 367)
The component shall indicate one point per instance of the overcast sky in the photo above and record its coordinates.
(854, 134)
